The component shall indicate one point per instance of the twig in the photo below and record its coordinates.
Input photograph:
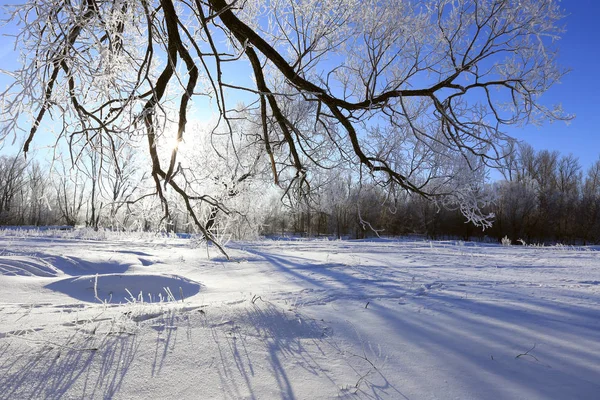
(255, 298)
(527, 353)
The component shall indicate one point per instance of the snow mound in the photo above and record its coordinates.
(93, 262)
(26, 266)
(120, 288)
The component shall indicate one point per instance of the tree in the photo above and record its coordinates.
(91, 167)
(516, 205)
(69, 185)
(589, 217)
(12, 182)
(121, 183)
(568, 185)
(399, 90)
(37, 197)
(516, 208)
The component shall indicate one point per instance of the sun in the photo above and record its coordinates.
(180, 145)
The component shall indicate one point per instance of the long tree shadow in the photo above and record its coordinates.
(477, 343)
(464, 328)
(297, 350)
(338, 280)
(94, 368)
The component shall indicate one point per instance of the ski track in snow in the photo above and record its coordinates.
(299, 319)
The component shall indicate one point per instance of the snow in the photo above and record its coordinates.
(313, 319)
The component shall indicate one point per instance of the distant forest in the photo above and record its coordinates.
(545, 198)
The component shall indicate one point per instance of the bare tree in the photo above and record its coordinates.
(13, 180)
(122, 182)
(516, 208)
(90, 167)
(568, 186)
(69, 186)
(38, 196)
(440, 77)
(590, 205)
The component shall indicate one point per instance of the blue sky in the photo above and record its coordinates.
(579, 92)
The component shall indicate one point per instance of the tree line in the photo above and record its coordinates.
(543, 198)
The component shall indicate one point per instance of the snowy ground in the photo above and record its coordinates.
(297, 319)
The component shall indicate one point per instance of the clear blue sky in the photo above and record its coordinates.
(579, 91)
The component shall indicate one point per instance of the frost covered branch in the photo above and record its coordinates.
(404, 90)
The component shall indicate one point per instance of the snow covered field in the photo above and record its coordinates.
(297, 319)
